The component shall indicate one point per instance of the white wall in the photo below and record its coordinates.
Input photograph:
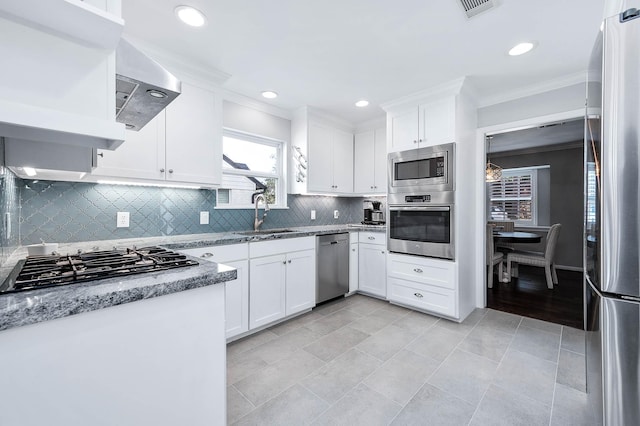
(249, 120)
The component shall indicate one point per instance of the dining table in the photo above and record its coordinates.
(516, 237)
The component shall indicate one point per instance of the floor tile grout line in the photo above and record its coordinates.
(555, 379)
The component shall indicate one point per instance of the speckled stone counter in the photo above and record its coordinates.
(30, 307)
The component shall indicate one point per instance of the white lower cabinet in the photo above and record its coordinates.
(268, 290)
(236, 291)
(372, 254)
(424, 283)
(282, 279)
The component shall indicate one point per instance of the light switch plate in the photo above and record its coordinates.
(313, 215)
(204, 218)
(336, 214)
(122, 220)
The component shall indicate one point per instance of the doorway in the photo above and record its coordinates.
(536, 182)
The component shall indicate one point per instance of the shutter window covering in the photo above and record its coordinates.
(513, 195)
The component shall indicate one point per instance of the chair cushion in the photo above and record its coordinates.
(530, 258)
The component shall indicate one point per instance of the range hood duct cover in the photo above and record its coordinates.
(138, 78)
(475, 7)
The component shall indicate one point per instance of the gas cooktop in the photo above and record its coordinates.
(37, 272)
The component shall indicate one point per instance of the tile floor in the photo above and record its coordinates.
(363, 361)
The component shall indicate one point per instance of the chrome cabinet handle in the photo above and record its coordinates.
(284, 262)
(161, 170)
(418, 295)
(420, 140)
(170, 170)
(205, 255)
(418, 270)
(101, 154)
(415, 141)
(289, 261)
(372, 238)
(382, 252)
(353, 249)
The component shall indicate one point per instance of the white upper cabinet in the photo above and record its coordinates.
(194, 137)
(370, 162)
(428, 124)
(181, 144)
(322, 154)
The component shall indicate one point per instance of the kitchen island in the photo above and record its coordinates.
(140, 349)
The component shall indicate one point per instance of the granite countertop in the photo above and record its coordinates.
(30, 307)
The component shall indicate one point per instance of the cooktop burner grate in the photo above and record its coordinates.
(48, 271)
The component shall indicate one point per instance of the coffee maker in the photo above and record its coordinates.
(373, 214)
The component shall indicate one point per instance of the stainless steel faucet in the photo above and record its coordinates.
(256, 222)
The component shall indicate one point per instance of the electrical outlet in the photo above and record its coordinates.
(336, 214)
(204, 218)
(313, 215)
(122, 220)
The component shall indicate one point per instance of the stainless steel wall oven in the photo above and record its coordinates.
(422, 224)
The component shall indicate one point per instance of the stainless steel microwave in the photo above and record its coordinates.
(421, 170)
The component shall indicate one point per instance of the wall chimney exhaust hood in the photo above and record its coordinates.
(143, 87)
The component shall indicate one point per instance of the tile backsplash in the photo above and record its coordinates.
(10, 210)
(70, 211)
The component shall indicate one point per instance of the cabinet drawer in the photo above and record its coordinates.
(270, 248)
(440, 273)
(221, 253)
(372, 237)
(427, 298)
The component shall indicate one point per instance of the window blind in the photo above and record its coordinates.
(512, 197)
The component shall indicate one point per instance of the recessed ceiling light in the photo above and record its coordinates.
(269, 94)
(520, 49)
(190, 16)
(156, 93)
(362, 103)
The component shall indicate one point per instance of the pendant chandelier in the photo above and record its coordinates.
(493, 172)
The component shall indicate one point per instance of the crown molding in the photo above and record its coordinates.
(252, 103)
(453, 87)
(374, 123)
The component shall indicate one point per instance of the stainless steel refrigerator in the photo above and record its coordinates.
(612, 223)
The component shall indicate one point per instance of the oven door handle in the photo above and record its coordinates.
(420, 208)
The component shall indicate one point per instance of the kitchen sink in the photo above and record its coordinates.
(266, 232)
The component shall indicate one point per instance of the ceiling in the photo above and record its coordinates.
(329, 54)
(560, 133)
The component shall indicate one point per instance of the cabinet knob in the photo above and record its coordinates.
(205, 255)
(170, 170)
(161, 170)
(353, 249)
(101, 154)
(371, 238)
(284, 262)
(382, 252)
(418, 270)
(418, 295)
(415, 141)
(420, 140)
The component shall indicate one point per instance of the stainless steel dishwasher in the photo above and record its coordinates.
(332, 273)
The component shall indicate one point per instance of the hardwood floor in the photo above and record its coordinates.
(529, 296)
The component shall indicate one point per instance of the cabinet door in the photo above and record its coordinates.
(437, 122)
(237, 300)
(266, 290)
(343, 162)
(353, 267)
(301, 281)
(194, 137)
(372, 269)
(320, 159)
(380, 161)
(140, 156)
(404, 130)
(364, 163)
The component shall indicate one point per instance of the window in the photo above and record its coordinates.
(514, 196)
(250, 165)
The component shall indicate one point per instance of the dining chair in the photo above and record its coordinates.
(507, 226)
(493, 258)
(544, 260)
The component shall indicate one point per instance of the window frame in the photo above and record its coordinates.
(520, 171)
(281, 163)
